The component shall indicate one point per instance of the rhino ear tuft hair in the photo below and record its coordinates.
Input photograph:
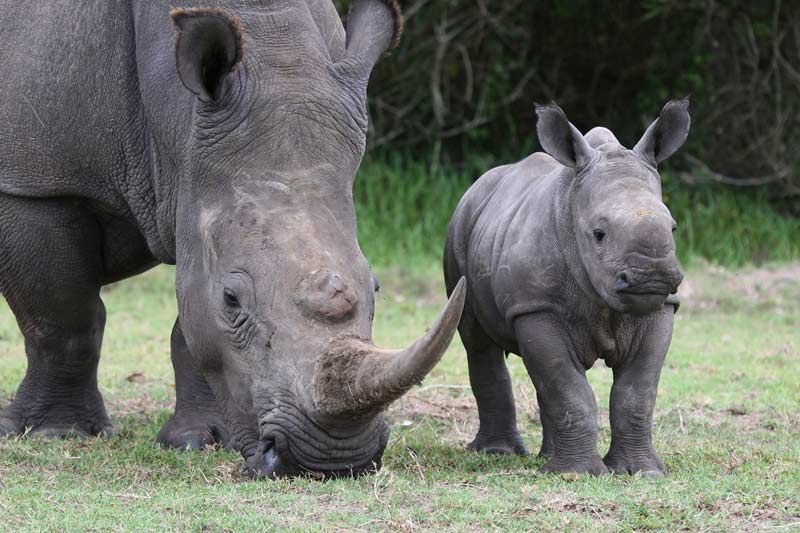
(667, 133)
(373, 28)
(209, 46)
(560, 139)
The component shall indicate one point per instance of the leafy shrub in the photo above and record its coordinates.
(468, 71)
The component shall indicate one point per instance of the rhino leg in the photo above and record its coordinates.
(491, 385)
(566, 400)
(633, 398)
(50, 272)
(197, 422)
(547, 449)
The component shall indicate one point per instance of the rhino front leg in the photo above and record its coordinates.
(50, 274)
(548, 446)
(566, 400)
(633, 399)
(491, 385)
(197, 422)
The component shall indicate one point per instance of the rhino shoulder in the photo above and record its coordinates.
(537, 164)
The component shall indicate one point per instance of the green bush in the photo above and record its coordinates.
(467, 73)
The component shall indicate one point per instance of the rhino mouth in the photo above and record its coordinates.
(294, 441)
(282, 456)
(641, 293)
(645, 288)
(276, 465)
(644, 292)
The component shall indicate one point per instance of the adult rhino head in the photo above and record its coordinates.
(275, 295)
(621, 229)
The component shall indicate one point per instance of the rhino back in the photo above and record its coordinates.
(503, 238)
(68, 100)
(94, 110)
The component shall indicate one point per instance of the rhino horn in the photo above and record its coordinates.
(356, 377)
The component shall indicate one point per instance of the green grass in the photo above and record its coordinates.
(727, 425)
(403, 215)
(727, 419)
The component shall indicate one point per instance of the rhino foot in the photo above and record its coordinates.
(63, 426)
(498, 444)
(195, 432)
(646, 464)
(563, 465)
(8, 428)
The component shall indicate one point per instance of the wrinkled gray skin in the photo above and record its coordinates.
(569, 257)
(225, 142)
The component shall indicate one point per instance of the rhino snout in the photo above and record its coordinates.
(273, 464)
(326, 295)
(659, 280)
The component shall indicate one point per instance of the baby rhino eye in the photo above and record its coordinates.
(599, 235)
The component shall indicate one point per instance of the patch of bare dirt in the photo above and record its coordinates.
(564, 502)
(454, 408)
(137, 405)
(736, 416)
(136, 377)
(711, 287)
(768, 515)
(452, 405)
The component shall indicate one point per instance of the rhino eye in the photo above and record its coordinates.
(599, 235)
(674, 228)
(231, 300)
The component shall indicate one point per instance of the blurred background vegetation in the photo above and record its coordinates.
(457, 98)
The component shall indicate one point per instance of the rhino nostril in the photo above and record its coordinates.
(623, 281)
(325, 294)
(271, 463)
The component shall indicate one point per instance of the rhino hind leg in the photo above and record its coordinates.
(50, 271)
(491, 385)
(197, 422)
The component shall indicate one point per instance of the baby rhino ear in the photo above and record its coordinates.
(560, 139)
(667, 133)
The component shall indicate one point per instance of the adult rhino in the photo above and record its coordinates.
(569, 257)
(230, 152)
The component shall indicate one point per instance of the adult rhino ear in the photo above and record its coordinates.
(667, 133)
(209, 47)
(560, 139)
(373, 28)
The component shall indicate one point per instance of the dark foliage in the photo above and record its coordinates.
(468, 71)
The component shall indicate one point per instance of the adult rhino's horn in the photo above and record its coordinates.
(356, 377)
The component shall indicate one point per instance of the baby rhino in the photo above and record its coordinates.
(569, 257)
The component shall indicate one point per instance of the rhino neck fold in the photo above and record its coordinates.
(565, 231)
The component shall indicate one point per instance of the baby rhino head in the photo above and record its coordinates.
(623, 231)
